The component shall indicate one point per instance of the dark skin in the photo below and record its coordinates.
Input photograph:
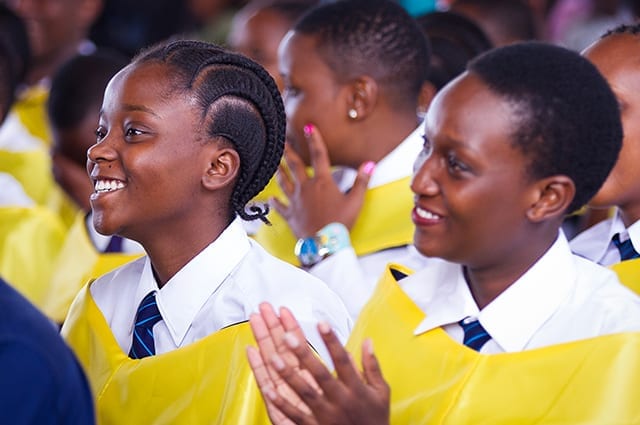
(475, 205)
(170, 184)
(315, 96)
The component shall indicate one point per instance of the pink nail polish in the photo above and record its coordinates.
(369, 167)
(308, 129)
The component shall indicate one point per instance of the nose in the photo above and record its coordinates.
(424, 176)
(102, 151)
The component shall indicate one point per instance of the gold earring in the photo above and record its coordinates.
(353, 114)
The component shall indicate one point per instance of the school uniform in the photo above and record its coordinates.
(382, 233)
(42, 382)
(597, 244)
(84, 256)
(204, 310)
(566, 333)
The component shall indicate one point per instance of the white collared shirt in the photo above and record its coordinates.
(561, 298)
(219, 287)
(595, 242)
(354, 278)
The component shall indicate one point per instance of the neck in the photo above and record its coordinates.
(489, 281)
(385, 135)
(629, 214)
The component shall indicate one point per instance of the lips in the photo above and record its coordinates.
(102, 185)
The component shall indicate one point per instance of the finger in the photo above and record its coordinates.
(282, 208)
(371, 370)
(296, 165)
(321, 376)
(290, 323)
(347, 373)
(298, 414)
(277, 332)
(318, 153)
(285, 181)
(359, 187)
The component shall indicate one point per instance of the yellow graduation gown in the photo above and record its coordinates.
(628, 272)
(384, 222)
(30, 240)
(435, 380)
(207, 382)
(78, 263)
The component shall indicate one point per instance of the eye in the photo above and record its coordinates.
(456, 165)
(427, 150)
(132, 132)
(100, 133)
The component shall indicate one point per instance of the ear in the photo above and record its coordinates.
(552, 197)
(363, 96)
(427, 93)
(222, 168)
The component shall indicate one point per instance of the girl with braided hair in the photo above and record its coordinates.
(188, 134)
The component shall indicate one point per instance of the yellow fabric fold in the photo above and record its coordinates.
(78, 263)
(628, 272)
(435, 380)
(30, 240)
(207, 382)
(384, 222)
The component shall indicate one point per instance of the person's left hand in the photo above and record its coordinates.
(317, 201)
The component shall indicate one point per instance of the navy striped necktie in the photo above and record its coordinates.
(148, 315)
(475, 336)
(627, 252)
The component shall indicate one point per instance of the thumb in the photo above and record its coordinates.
(362, 180)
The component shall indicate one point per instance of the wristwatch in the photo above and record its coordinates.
(330, 239)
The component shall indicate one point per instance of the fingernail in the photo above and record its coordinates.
(308, 129)
(277, 362)
(324, 327)
(291, 340)
(368, 346)
(369, 167)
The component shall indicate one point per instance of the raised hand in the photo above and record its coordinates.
(317, 201)
(304, 390)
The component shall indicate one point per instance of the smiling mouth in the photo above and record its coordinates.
(427, 215)
(102, 186)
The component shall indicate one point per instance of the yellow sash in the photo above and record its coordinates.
(31, 109)
(628, 272)
(384, 222)
(435, 380)
(207, 382)
(77, 263)
(30, 240)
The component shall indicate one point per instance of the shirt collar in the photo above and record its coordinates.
(183, 296)
(397, 165)
(516, 314)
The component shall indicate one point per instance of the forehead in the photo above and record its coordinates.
(148, 82)
(298, 53)
(467, 109)
(615, 54)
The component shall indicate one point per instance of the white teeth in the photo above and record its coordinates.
(108, 185)
(426, 214)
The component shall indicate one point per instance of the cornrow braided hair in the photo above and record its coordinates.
(240, 103)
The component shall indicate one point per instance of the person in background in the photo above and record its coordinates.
(616, 241)
(352, 73)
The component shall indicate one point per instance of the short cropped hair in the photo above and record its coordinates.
(377, 38)
(455, 40)
(240, 104)
(568, 117)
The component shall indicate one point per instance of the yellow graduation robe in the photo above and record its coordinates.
(384, 222)
(207, 382)
(435, 380)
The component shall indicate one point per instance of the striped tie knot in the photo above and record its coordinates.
(148, 315)
(475, 336)
(627, 252)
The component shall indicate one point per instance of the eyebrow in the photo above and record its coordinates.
(132, 108)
